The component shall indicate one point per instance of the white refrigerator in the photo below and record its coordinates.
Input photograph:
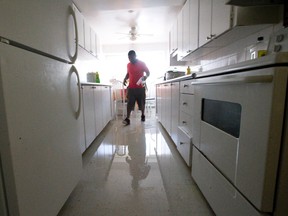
(41, 122)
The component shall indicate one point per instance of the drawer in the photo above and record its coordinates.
(218, 191)
(186, 87)
(187, 103)
(186, 121)
(184, 145)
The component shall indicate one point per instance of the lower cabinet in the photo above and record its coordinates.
(175, 102)
(184, 145)
(97, 110)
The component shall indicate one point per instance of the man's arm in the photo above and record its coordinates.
(125, 79)
(147, 73)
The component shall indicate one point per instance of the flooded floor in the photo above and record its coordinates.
(135, 170)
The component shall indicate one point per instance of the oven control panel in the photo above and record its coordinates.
(279, 41)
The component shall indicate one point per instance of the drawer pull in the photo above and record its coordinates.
(184, 122)
(186, 86)
(184, 103)
(181, 143)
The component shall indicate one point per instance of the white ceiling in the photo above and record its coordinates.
(112, 19)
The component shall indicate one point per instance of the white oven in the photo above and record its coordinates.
(237, 135)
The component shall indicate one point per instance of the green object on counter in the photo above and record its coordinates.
(97, 78)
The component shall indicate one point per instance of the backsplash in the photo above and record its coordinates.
(239, 51)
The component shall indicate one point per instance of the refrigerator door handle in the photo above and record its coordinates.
(74, 57)
(78, 110)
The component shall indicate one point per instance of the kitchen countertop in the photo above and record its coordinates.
(96, 84)
(177, 79)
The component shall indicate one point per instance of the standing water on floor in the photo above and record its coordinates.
(135, 170)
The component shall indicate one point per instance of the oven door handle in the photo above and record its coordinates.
(234, 80)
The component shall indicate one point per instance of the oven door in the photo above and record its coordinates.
(237, 127)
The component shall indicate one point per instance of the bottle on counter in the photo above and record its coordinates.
(188, 72)
(97, 78)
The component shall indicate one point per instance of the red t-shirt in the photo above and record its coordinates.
(135, 72)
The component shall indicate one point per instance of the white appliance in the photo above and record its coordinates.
(238, 132)
(40, 106)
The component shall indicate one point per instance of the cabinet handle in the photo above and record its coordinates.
(211, 36)
(186, 86)
(184, 122)
(188, 51)
(181, 143)
(184, 103)
(93, 87)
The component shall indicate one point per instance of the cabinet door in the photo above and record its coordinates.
(186, 28)
(87, 34)
(89, 114)
(205, 9)
(220, 17)
(98, 101)
(160, 102)
(175, 89)
(179, 35)
(93, 43)
(174, 37)
(106, 105)
(167, 107)
(193, 25)
(80, 26)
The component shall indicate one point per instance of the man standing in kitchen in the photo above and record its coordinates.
(136, 87)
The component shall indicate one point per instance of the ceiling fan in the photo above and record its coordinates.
(133, 34)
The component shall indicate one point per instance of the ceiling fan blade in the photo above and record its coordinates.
(122, 33)
(145, 35)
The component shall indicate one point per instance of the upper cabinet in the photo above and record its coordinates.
(173, 37)
(206, 25)
(190, 26)
(214, 19)
(80, 26)
(87, 37)
(180, 35)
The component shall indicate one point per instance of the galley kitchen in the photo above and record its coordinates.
(215, 138)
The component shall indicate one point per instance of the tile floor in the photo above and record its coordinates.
(135, 170)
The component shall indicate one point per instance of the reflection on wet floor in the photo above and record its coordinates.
(135, 170)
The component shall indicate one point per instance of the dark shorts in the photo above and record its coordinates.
(136, 95)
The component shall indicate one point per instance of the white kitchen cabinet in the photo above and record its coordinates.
(98, 101)
(93, 43)
(173, 37)
(166, 118)
(97, 110)
(180, 36)
(160, 102)
(89, 114)
(106, 104)
(168, 107)
(163, 101)
(214, 19)
(80, 26)
(190, 26)
(184, 144)
(174, 110)
(87, 36)
(186, 27)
